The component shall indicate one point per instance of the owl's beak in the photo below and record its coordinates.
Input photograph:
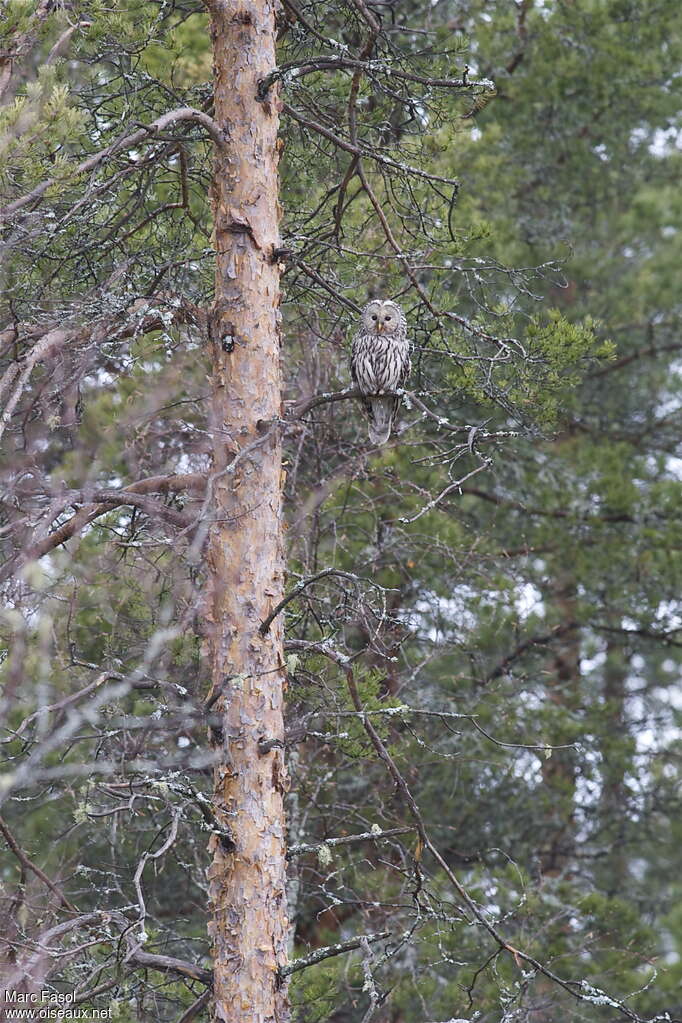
(380, 328)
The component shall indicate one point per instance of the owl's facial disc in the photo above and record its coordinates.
(382, 318)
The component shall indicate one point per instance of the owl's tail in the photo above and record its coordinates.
(381, 415)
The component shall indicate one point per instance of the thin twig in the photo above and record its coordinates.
(30, 865)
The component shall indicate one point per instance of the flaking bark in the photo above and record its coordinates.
(245, 559)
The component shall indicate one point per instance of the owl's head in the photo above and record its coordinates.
(381, 317)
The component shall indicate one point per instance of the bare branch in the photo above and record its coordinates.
(126, 142)
(298, 589)
(195, 1008)
(385, 161)
(372, 68)
(435, 501)
(30, 865)
(302, 409)
(106, 500)
(329, 950)
(332, 843)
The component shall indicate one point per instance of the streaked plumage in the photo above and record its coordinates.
(380, 361)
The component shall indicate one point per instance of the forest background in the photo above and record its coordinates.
(496, 591)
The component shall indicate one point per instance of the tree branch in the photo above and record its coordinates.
(385, 161)
(195, 1008)
(370, 68)
(108, 499)
(30, 865)
(329, 950)
(22, 43)
(297, 590)
(332, 843)
(126, 142)
(302, 409)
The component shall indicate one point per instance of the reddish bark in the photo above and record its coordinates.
(245, 559)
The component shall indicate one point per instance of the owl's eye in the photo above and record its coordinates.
(387, 319)
(374, 316)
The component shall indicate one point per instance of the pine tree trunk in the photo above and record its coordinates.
(559, 772)
(245, 559)
(616, 752)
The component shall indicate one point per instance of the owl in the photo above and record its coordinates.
(380, 361)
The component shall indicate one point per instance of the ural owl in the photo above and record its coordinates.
(380, 361)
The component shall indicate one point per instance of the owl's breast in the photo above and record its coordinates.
(379, 362)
